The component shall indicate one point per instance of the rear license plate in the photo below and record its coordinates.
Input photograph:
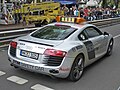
(29, 54)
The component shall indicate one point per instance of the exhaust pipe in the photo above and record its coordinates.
(11, 64)
(54, 71)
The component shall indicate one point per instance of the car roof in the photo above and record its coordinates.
(74, 25)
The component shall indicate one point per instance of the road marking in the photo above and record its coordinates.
(2, 73)
(3, 50)
(116, 36)
(40, 87)
(17, 80)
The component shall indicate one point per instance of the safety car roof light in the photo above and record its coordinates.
(77, 20)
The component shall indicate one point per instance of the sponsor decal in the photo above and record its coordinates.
(32, 67)
(90, 49)
(28, 66)
(73, 49)
(22, 44)
(41, 47)
(79, 47)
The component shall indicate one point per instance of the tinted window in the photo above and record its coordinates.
(53, 32)
(83, 36)
(93, 32)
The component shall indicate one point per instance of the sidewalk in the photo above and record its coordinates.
(15, 26)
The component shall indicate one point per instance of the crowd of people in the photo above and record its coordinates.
(88, 13)
(91, 14)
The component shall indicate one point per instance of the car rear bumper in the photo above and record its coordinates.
(61, 71)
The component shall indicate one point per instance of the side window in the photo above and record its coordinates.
(93, 32)
(82, 36)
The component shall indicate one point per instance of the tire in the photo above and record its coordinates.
(110, 48)
(77, 68)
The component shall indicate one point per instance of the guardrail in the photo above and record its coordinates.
(105, 22)
(7, 36)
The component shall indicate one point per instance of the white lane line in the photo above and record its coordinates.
(2, 73)
(2, 50)
(116, 36)
(17, 80)
(40, 87)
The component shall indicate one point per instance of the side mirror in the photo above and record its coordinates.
(105, 33)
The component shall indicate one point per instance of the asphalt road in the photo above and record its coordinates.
(102, 75)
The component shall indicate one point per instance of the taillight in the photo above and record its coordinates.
(13, 44)
(53, 52)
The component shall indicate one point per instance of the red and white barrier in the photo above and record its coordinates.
(5, 15)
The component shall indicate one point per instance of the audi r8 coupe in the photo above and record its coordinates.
(60, 49)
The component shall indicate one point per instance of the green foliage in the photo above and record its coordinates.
(111, 3)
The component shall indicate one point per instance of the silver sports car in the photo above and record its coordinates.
(60, 49)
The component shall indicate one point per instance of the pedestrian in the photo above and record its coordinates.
(81, 12)
(71, 12)
(86, 13)
(76, 12)
(66, 10)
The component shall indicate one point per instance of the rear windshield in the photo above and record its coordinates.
(53, 32)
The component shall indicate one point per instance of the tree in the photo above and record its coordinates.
(104, 4)
(116, 3)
